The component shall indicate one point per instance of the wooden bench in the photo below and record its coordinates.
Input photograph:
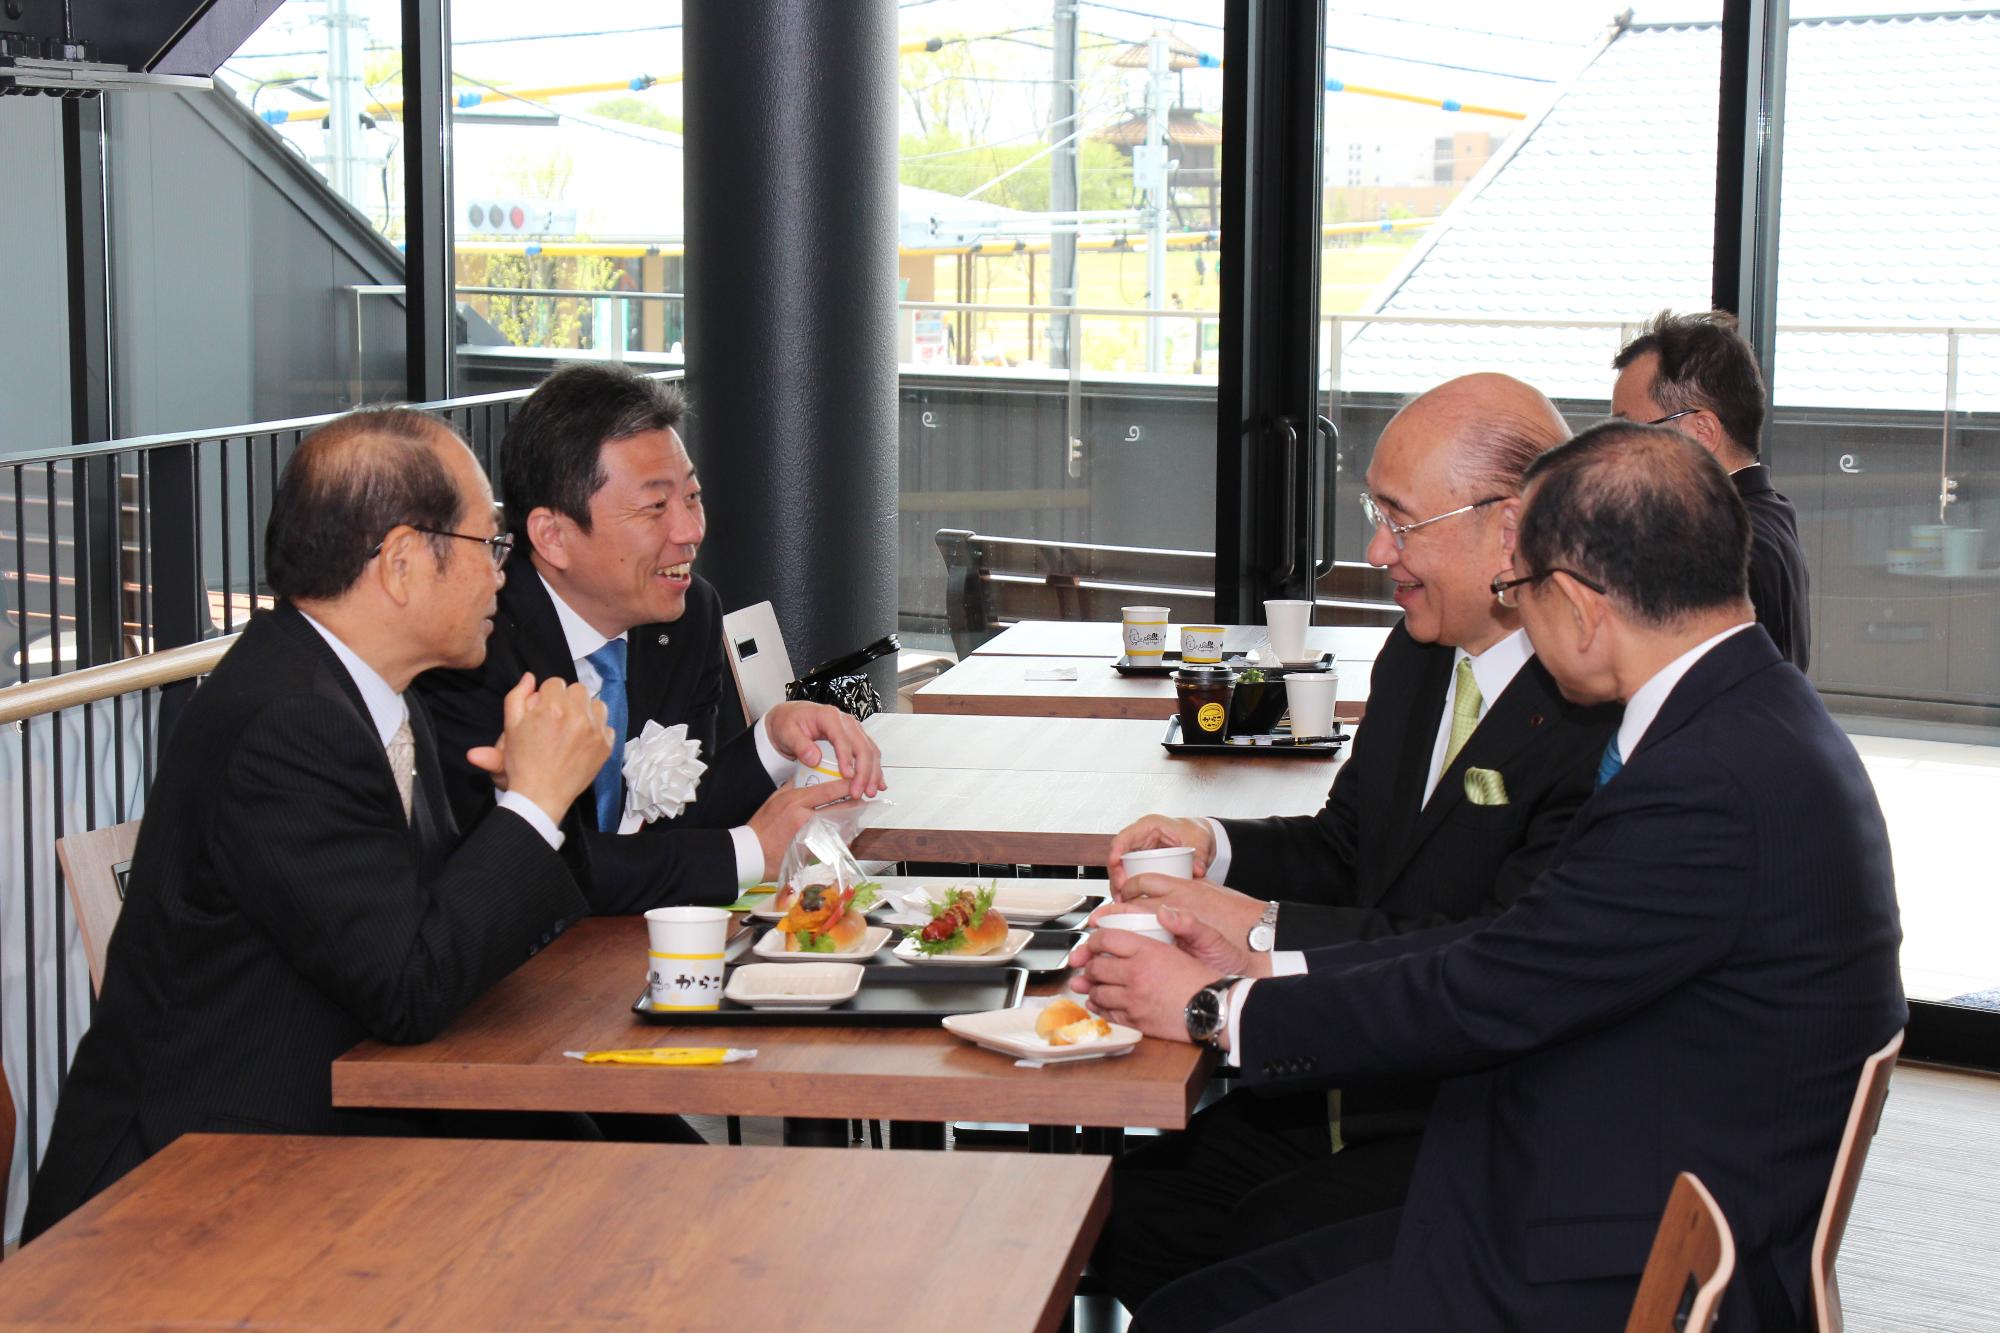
(992, 582)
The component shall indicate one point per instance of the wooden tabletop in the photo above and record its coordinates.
(506, 1053)
(1098, 638)
(1000, 685)
(268, 1231)
(1041, 791)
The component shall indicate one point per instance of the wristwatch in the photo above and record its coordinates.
(1204, 1012)
(1264, 935)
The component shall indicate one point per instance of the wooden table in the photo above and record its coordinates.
(266, 1231)
(506, 1053)
(1037, 791)
(998, 685)
(1098, 638)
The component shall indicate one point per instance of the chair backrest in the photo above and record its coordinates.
(1863, 1118)
(1688, 1270)
(95, 865)
(6, 1138)
(757, 658)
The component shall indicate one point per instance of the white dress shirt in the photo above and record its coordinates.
(388, 711)
(583, 640)
(1492, 671)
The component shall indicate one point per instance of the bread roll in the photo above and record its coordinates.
(1087, 1029)
(988, 935)
(1059, 1015)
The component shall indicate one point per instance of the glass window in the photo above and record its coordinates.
(1886, 434)
(1511, 190)
(1060, 208)
(566, 186)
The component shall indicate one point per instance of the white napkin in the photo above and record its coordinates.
(662, 769)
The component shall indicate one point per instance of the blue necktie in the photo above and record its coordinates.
(1607, 767)
(610, 784)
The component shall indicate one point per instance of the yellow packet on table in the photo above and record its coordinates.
(664, 1055)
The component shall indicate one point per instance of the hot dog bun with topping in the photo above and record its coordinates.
(964, 923)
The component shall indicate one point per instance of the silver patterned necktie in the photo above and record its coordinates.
(402, 750)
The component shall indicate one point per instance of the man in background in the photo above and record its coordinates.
(1698, 374)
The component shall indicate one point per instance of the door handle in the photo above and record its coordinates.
(1328, 434)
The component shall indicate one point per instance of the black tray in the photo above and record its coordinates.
(1175, 745)
(1169, 663)
(1047, 950)
(900, 996)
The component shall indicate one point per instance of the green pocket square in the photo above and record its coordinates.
(1483, 786)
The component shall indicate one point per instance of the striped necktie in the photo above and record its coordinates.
(402, 751)
(609, 785)
(1464, 711)
(1607, 767)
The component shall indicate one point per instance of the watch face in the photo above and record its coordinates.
(1204, 1014)
(1262, 937)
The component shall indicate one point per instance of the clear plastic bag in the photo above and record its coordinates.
(819, 855)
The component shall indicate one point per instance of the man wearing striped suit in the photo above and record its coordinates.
(299, 884)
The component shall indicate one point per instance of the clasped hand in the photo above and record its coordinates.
(554, 741)
(1145, 984)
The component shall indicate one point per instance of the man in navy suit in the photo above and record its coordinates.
(605, 507)
(1692, 985)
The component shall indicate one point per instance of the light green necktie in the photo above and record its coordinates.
(1464, 711)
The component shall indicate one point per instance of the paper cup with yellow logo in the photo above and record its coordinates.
(684, 948)
(1145, 633)
(817, 765)
(1204, 693)
(1201, 644)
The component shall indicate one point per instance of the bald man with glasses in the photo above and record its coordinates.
(1459, 783)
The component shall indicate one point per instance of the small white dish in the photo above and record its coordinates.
(811, 986)
(771, 947)
(1017, 940)
(1012, 1032)
(1021, 904)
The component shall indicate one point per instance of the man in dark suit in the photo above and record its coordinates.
(1699, 374)
(606, 512)
(1462, 778)
(1692, 985)
(299, 884)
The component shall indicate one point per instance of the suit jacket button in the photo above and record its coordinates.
(546, 939)
(534, 949)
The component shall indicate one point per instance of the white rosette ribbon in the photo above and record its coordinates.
(662, 769)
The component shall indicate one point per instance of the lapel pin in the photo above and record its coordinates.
(1534, 719)
(663, 641)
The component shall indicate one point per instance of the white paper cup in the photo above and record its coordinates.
(1139, 923)
(1160, 860)
(1287, 621)
(1309, 697)
(1201, 644)
(1146, 632)
(684, 956)
(821, 765)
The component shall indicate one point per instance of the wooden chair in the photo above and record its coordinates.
(95, 865)
(6, 1139)
(758, 660)
(1863, 1118)
(1689, 1268)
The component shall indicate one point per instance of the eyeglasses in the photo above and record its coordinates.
(1673, 416)
(1503, 587)
(1397, 531)
(500, 545)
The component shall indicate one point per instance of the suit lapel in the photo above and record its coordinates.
(534, 629)
(1511, 721)
(430, 811)
(1416, 726)
(649, 668)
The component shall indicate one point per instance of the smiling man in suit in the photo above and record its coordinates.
(1462, 777)
(299, 884)
(607, 517)
(1693, 983)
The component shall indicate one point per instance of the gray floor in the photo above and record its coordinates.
(1923, 1246)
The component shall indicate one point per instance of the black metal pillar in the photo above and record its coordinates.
(791, 284)
(94, 509)
(1748, 165)
(427, 231)
(1267, 481)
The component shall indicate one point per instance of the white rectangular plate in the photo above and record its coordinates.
(1017, 940)
(807, 986)
(1021, 904)
(771, 946)
(1012, 1032)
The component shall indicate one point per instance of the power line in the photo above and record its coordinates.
(1452, 27)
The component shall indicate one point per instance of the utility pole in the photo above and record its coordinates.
(1150, 169)
(346, 94)
(1063, 188)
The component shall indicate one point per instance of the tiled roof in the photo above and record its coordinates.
(1890, 216)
